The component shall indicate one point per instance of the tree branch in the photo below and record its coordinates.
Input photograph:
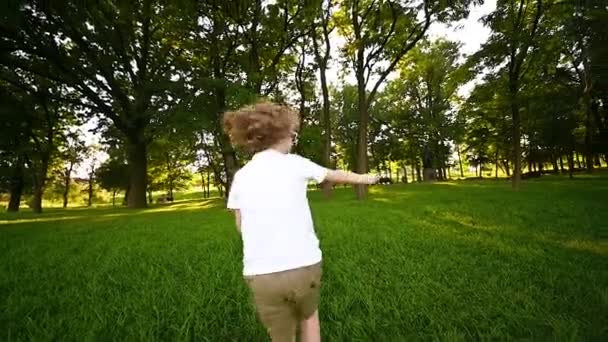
(403, 51)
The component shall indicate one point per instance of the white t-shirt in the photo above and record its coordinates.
(276, 224)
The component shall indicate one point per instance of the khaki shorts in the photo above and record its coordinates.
(283, 299)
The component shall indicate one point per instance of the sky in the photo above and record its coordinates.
(469, 32)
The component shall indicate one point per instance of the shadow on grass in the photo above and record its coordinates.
(72, 214)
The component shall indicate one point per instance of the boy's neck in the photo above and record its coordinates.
(279, 149)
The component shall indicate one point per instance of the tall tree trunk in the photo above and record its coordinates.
(113, 198)
(496, 165)
(589, 126)
(405, 180)
(66, 184)
(230, 161)
(555, 164)
(208, 184)
(301, 87)
(138, 170)
(66, 191)
(322, 63)
(507, 168)
(16, 189)
(203, 185)
(40, 182)
(516, 180)
(578, 160)
(561, 164)
(571, 164)
(125, 199)
(90, 189)
(227, 151)
(150, 197)
(460, 161)
(362, 162)
(418, 172)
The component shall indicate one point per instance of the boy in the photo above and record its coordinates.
(281, 255)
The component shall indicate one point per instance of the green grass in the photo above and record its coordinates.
(450, 261)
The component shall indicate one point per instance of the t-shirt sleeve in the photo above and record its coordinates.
(234, 197)
(310, 170)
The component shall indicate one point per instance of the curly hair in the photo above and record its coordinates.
(260, 126)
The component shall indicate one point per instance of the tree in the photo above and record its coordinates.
(430, 78)
(245, 45)
(14, 146)
(120, 58)
(40, 120)
(113, 176)
(582, 30)
(378, 34)
(169, 161)
(72, 153)
(515, 26)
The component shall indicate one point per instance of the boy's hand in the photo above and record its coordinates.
(370, 179)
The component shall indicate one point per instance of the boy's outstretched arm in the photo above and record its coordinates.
(345, 177)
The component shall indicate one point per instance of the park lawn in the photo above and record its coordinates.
(451, 261)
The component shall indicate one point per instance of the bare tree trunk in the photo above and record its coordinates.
(555, 165)
(16, 189)
(203, 184)
(125, 200)
(496, 165)
(460, 161)
(418, 172)
(322, 63)
(39, 183)
(405, 180)
(578, 160)
(561, 164)
(66, 184)
(113, 198)
(208, 184)
(138, 170)
(90, 189)
(571, 164)
(362, 162)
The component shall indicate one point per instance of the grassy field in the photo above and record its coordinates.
(449, 261)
